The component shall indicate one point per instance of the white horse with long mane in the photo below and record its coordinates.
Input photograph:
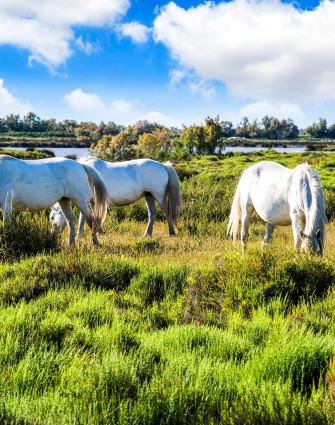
(127, 182)
(281, 196)
(36, 185)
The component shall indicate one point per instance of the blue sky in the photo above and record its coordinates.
(168, 62)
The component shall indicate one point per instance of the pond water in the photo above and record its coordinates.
(291, 149)
(79, 152)
(82, 152)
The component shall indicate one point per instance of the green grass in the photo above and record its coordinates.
(182, 330)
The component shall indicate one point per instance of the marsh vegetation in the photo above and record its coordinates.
(181, 330)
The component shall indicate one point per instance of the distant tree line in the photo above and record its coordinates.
(33, 126)
(116, 142)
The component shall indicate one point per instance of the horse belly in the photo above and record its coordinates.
(275, 213)
(121, 196)
(33, 197)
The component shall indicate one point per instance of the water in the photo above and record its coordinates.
(82, 152)
(79, 152)
(244, 149)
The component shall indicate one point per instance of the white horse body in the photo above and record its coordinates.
(128, 181)
(267, 190)
(281, 196)
(35, 185)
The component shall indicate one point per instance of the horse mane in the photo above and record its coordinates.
(318, 218)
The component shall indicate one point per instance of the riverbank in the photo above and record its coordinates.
(72, 141)
(54, 142)
(308, 144)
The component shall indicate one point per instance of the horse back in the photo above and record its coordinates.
(128, 181)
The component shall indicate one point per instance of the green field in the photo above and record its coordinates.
(181, 330)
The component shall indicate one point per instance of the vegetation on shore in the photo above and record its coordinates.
(117, 142)
(180, 330)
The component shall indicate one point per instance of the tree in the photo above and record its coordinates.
(115, 148)
(273, 129)
(318, 130)
(213, 134)
(253, 130)
(85, 129)
(32, 122)
(331, 131)
(3, 127)
(193, 138)
(155, 145)
(69, 125)
(13, 123)
(242, 128)
(227, 129)
(288, 130)
(203, 140)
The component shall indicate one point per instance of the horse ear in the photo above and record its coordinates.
(318, 235)
(302, 234)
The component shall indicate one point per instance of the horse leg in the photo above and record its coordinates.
(296, 226)
(81, 225)
(152, 213)
(6, 213)
(268, 234)
(169, 219)
(65, 205)
(88, 217)
(247, 211)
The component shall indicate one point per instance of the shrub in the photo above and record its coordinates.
(304, 278)
(27, 235)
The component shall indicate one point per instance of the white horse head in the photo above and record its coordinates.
(57, 218)
(312, 243)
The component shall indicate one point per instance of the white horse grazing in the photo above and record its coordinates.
(37, 184)
(129, 181)
(281, 196)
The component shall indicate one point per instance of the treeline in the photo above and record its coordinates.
(268, 128)
(117, 142)
(33, 126)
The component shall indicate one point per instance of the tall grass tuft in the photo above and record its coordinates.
(27, 235)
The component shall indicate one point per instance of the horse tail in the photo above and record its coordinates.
(235, 215)
(100, 196)
(172, 193)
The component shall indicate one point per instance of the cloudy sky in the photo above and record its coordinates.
(169, 62)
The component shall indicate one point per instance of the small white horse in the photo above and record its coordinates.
(35, 185)
(281, 196)
(129, 181)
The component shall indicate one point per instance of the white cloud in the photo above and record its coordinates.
(44, 28)
(260, 49)
(90, 107)
(9, 104)
(84, 102)
(158, 117)
(278, 110)
(138, 33)
(195, 84)
(87, 46)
